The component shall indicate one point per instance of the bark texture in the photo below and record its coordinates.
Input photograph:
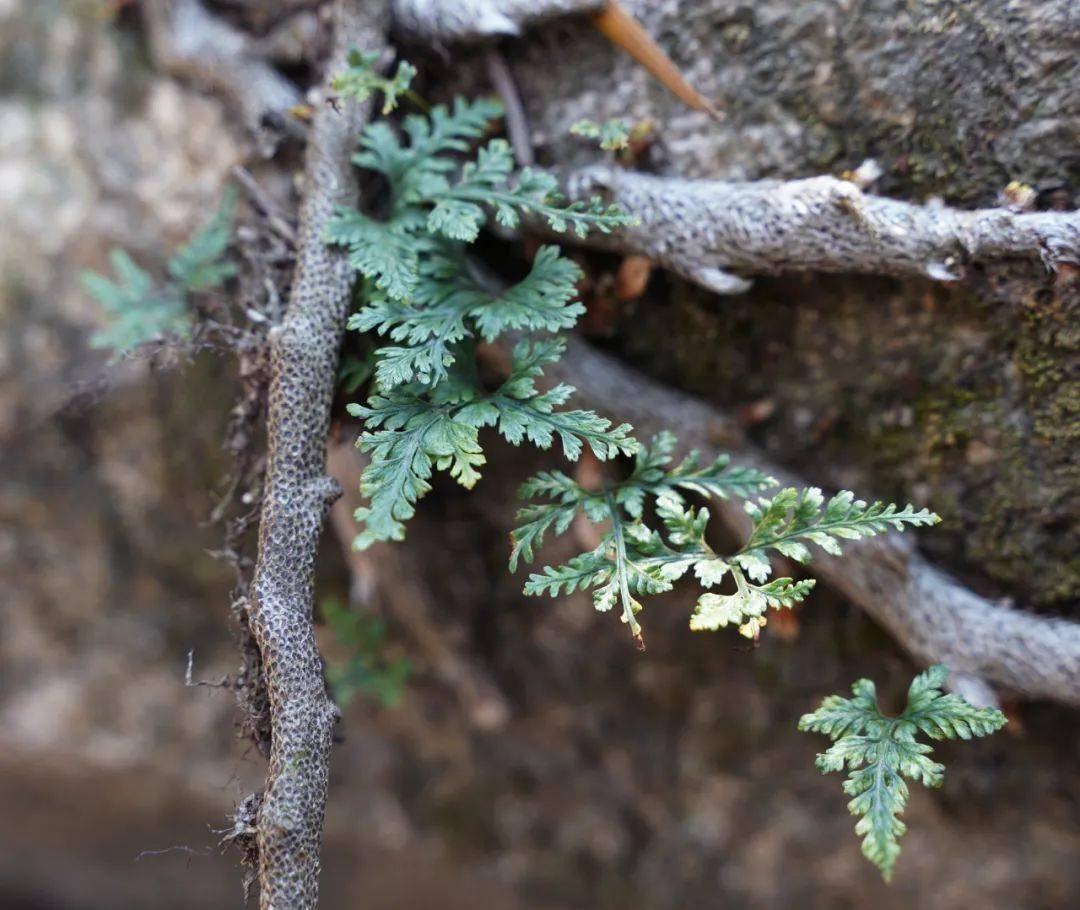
(701, 228)
(297, 495)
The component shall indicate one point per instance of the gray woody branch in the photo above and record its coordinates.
(934, 617)
(470, 20)
(188, 41)
(701, 229)
(297, 495)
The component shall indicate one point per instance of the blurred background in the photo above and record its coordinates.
(530, 757)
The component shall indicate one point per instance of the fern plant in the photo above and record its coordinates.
(139, 309)
(360, 79)
(366, 669)
(612, 135)
(880, 751)
(633, 560)
(433, 305)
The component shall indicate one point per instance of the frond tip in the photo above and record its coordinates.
(880, 751)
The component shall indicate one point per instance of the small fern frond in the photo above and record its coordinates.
(781, 523)
(612, 135)
(360, 80)
(382, 252)
(641, 561)
(520, 411)
(434, 140)
(367, 667)
(200, 263)
(139, 310)
(534, 192)
(426, 297)
(416, 438)
(880, 751)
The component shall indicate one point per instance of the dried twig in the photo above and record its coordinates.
(469, 20)
(517, 124)
(192, 683)
(262, 201)
(190, 42)
(703, 228)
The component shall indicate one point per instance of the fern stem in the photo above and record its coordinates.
(620, 568)
(823, 527)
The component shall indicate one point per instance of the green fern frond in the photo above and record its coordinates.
(652, 561)
(360, 80)
(425, 297)
(138, 309)
(416, 438)
(534, 192)
(367, 668)
(435, 140)
(880, 751)
(449, 303)
(612, 135)
(639, 561)
(424, 428)
(545, 300)
(520, 411)
(200, 263)
(792, 516)
(383, 252)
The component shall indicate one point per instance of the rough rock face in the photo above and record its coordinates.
(951, 98)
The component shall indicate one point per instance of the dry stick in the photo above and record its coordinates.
(298, 493)
(188, 41)
(934, 617)
(624, 31)
(517, 124)
(470, 20)
(262, 201)
(702, 228)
